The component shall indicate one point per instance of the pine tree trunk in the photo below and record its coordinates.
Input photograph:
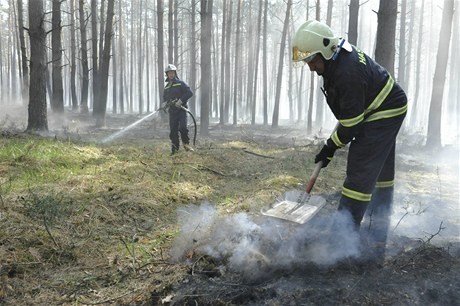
(206, 24)
(434, 120)
(236, 75)
(24, 62)
(160, 41)
(57, 98)
(84, 60)
(353, 22)
(37, 120)
(100, 110)
(73, 64)
(386, 33)
(280, 66)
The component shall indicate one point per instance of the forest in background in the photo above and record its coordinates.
(108, 56)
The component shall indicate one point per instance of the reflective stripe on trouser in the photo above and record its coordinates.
(371, 159)
(178, 125)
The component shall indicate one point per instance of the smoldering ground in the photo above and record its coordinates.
(254, 246)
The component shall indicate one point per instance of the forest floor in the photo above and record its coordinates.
(84, 221)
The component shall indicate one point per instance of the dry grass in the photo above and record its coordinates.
(87, 223)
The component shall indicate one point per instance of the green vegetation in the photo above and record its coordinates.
(81, 221)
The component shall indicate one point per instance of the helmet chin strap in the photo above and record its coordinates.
(336, 52)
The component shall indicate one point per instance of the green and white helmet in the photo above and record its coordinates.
(170, 67)
(311, 38)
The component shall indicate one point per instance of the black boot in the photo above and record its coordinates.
(355, 208)
(174, 149)
(379, 221)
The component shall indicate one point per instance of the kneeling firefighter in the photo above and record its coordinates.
(176, 95)
(370, 107)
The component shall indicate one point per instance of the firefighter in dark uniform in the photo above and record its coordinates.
(178, 92)
(370, 107)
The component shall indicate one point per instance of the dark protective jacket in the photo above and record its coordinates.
(359, 90)
(177, 89)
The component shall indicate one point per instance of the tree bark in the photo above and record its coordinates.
(280, 66)
(25, 66)
(94, 51)
(73, 64)
(37, 120)
(101, 105)
(386, 33)
(236, 76)
(264, 65)
(353, 22)
(434, 120)
(160, 41)
(206, 24)
(84, 60)
(57, 97)
(402, 46)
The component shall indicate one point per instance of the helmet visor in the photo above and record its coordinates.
(298, 55)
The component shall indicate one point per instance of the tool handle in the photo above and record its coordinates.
(314, 176)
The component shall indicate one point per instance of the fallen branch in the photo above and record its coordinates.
(256, 154)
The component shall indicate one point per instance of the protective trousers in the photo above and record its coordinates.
(178, 124)
(371, 163)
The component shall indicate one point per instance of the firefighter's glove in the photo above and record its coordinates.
(178, 103)
(325, 155)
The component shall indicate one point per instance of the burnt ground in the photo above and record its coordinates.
(422, 265)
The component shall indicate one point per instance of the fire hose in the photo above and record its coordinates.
(173, 102)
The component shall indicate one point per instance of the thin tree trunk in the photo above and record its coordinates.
(402, 46)
(170, 32)
(413, 114)
(222, 62)
(25, 66)
(94, 51)
(434, 120)
(73, 64)
(160, 41)
(57, 100)
(192, 80)
(37, 91)
(105, 64)
(121, 54)
(84, 61)
(237, 76)
(228, 64)
(264, 65)
(256, 65)
(280, 66)
(206, 24)
(140, 61)
(353, 22)
(386, 33)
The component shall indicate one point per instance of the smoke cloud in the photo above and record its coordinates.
(252, 245)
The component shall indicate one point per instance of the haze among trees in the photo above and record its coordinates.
(108, 56)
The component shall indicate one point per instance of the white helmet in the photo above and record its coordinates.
(311, 38)
(170, 67)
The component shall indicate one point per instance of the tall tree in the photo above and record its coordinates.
(264, 64)
(227, 63)
(418, 65)
(222, 62)
(434, 120)
(160, 41)
(94, 39)
(205, 41)
(386, 33)
(57, 97)
(38, 119)
(256, 65)
(236, 76)
(84, 60)
(280, 66)
(353, 22)
(121, 54)
(171, 32)
(402, 46)
(101, 104)
(25, 66)
(192, 78)
(73, 64)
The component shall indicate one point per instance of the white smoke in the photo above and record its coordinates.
(255, 244)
